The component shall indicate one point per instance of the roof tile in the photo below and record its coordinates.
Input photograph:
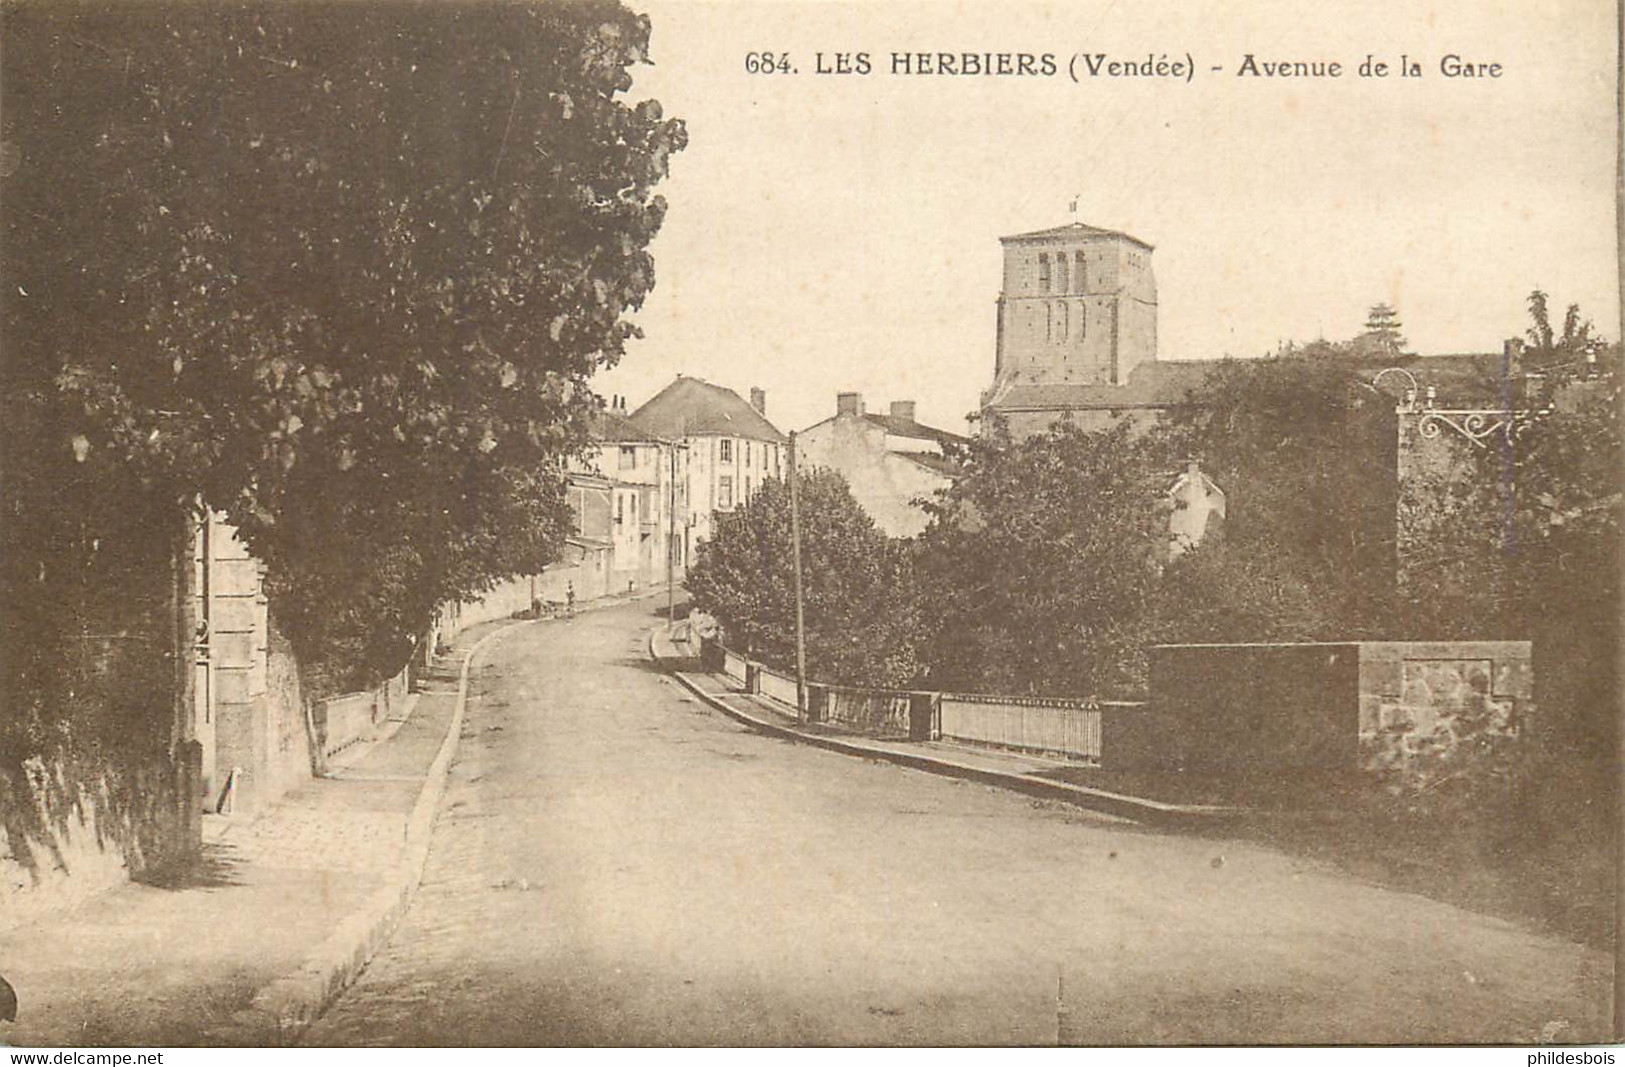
(693, 406)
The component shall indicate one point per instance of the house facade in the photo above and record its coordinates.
(728, 450)
(891, 461)
(638, 479)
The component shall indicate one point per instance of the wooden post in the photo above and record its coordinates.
(801, 622)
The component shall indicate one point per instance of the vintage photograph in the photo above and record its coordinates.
(791, 523)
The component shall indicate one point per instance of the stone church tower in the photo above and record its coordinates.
(1079, 309)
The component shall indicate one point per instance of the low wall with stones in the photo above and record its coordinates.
(1420, 699)
(1376, 706)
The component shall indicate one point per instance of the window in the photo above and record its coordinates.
(1081, 275)
(629, 457)
(725, 492)
(1083, 320)
(1060, 328)
(747, 453)
(725, 450)
(1060, 272)
(1043, 271)
(620, 509)
(748, 488)
(1049, 322)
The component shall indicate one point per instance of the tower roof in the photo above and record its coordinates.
(1075, 229)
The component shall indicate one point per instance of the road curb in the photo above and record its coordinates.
(1136, 809)
(281, 1011)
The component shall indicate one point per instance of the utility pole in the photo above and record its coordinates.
(801, 622)
(671, 544)
(671, 529)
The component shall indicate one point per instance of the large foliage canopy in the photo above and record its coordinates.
(340, 271)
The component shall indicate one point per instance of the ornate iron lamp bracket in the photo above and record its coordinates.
(1476, 426)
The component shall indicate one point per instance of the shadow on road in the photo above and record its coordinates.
(216, 867)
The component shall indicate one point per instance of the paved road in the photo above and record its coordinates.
(617, 864)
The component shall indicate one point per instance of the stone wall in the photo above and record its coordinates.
(1251, 709)
(1450, 491)
(1420, 699)
(260, 732)
(96, 762)
(344, 721)
(72, 831)
(1383, 707)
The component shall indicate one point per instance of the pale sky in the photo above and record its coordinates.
(833, 233)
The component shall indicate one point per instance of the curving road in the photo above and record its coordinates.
(617, 864)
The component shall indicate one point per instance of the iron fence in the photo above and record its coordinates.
(876, 712)
(1051, 726)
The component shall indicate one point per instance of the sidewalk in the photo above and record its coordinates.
(301, 891)
(1033, 775)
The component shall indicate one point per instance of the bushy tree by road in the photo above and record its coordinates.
(859, 595)
(1304, 451)
(340, 271)
(1040, 567)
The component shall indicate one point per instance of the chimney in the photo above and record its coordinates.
(758, 400)
(849, 403)
(903, 409)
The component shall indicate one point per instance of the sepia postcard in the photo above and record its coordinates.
(787, 523)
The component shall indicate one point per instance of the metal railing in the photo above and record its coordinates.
(778, 686)
(1070, 728)
(876, 712)
(1045, 725)
(733, 665)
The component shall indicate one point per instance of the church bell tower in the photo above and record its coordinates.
(1078, 307)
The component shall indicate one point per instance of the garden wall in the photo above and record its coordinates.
(1377, 706)
(75, 829)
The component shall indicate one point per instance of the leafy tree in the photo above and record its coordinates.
(1571, 356)
(1382, 332)
(1565, 528)
(857, 587)
(342, 272)
(1041, 563)
(1304, 450)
